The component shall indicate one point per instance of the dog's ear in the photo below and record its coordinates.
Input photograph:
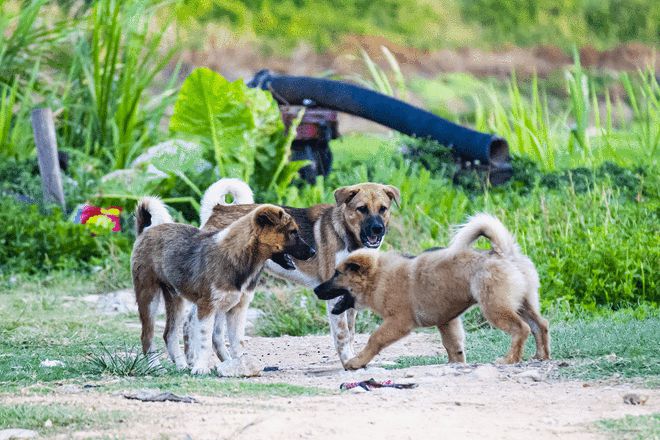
(268, 215)
(393, 193)
(345, 194)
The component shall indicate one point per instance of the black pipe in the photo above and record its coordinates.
(335, 95)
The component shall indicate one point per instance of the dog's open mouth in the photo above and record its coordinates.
(285, 260)
(372, 241)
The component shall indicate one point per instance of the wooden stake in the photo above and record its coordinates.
(43, 127)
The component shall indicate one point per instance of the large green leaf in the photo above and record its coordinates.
(216, 111)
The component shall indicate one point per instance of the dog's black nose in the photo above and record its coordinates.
(312, 252)
(376, 230)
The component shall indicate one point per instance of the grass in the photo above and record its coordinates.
(36, 416)
(632, 427)
(618, 345)
(92, 347)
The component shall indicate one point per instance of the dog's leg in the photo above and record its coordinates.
(236, 318)
(148, 302)
(174, 308)
(453, 339)
(205, 317)
(351, 316)
(340, 333)
(539, 327)
(219, 336)
(391, 330)
(508, 320)
(191, 336)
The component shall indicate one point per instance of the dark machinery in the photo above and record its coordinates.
(324, 98)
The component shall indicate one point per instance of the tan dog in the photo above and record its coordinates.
(358, 219)
(212, 269)
(436, 287)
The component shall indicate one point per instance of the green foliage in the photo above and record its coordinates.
(128, 362)
(568, 22)
(240, 126)
(34, 241)
(108, 108)
(294, 314)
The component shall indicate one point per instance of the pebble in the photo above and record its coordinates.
(532, 375)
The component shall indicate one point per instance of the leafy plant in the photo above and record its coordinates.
(240, 127)
(108, 108)
(127, 362)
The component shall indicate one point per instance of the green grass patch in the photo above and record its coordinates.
(71, 418)
(612, 345)
(632, 427)
(184, 383)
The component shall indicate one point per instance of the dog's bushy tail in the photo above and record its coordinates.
(216, 193)
(488, 226)
(150, 211)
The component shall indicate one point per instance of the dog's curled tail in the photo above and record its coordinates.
(150, 211)
(216, 193)
(488, 226)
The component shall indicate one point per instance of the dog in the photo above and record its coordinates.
(436, 287)
(211, 269)
(358, 219)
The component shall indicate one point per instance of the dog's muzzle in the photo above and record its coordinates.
(300, 250)
(372, 232)
(346, 302)
(327, 290)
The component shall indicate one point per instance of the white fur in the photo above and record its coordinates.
(296, 275)
(216, 193)
(220, 236)
(157, 209)
(488, 225)
(341, 256)
(205, 334)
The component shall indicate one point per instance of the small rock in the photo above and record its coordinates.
(532, 375)
(408, 374)
(563, 364)
(245, 366)
(48, 423)
(50, 363)
(635, 399)
(485, 372)
(16, 434)
(611, 357)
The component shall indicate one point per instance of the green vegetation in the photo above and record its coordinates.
(632, 427)
(583, 202)
(36, 416)
(435, 24)
(619, 344)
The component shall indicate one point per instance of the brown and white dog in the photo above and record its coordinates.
(436, 287)
(212, 269)
(359, 219)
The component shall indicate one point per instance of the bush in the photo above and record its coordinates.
(35, 241)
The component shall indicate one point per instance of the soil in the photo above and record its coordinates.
(236, 58)
(468, 401)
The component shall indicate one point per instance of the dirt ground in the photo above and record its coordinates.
(468, 401)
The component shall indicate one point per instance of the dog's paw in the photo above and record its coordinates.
(507, 360)
(354, 364)
(199, 370)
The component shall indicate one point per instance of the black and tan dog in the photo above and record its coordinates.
(212, 269)
(436, 287)
(359, 219)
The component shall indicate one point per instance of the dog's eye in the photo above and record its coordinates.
(382, 209)
(363, 209)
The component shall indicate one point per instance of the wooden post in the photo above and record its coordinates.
(43, 127)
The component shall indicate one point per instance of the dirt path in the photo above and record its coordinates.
(468, 401)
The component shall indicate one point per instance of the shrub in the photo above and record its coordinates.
(34, 241)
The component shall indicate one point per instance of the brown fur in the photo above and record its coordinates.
(208, 268)
(435, 288)
(333, 230)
